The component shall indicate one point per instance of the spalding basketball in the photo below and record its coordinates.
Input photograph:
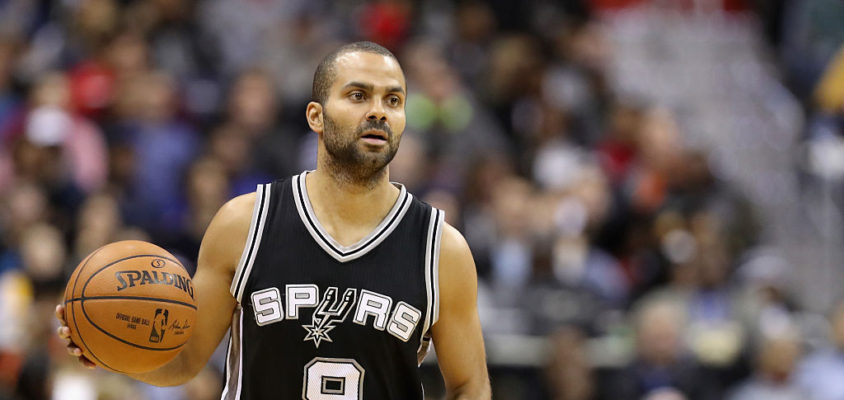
(130, 306)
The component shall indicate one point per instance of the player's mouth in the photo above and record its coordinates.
(374, 137)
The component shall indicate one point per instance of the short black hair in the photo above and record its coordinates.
(325, 71)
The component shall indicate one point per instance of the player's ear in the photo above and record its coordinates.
(313, 113)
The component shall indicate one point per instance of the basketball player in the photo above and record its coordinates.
(334, 282)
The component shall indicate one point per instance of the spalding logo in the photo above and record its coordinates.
(129, 279)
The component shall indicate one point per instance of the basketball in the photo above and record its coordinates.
(130, 306)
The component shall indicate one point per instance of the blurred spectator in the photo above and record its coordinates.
(577, 82)
(98, 224)
(659, 153)
(660, 361)
(82, 144)
(820, 373)
(241, 29)
(776, 357)
(575, 260)
(16, 295)
(43, 254)
(568, 373)
(475, 28)
(514, 79)
(812, 35)
(268, 148)
(162, 146)
(445, 116)
(32, 293)
(10, 105)
(24, 205)
(512, 254)
(617, 150)
(715, 334)
(207, 189)
(482, 179)
(829, 93)
(386, 22)
(665, 394)
(825, 130)
(177, 45)
(765, 301)
(62, 151)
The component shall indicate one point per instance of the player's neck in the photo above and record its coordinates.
(349, 211)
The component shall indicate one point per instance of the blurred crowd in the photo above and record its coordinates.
(595, 227)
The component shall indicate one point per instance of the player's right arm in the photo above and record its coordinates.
(219, 254)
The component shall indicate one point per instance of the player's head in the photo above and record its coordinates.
(357, 109)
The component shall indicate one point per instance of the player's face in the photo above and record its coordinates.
(364, 116)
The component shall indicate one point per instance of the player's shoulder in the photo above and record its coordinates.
(452, 240)
(454, 250)
(237, 211)
(457, 274)
(227, 233)
(241, 207)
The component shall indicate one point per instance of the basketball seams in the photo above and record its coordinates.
(91, 352)
(78, 273)
(125, 341)
(182, 303)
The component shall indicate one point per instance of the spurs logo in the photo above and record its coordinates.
(330, 312)
(367, 308)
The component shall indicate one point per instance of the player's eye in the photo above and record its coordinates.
(357, 96)
(394, 100)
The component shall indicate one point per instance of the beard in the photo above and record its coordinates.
(348, 162)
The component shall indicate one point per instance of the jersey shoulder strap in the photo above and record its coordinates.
(253, 241)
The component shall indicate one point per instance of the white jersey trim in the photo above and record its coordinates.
(432, 256)
(234, 359)
(329, 244)
(435, 266)
(253, 241)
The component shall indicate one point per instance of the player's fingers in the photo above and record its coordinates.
(60, 314)
(73, 350)
(87, 363)
(63, 332)
(59, 311)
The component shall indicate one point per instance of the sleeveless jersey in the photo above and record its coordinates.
(318, 320)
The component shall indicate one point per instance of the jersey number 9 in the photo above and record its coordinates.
(332, 379)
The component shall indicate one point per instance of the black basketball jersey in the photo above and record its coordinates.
(317, 320)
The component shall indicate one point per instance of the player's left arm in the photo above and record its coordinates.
(457, 334)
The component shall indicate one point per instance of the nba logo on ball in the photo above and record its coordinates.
(159, 324)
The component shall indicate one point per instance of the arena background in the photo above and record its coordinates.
(651, 189)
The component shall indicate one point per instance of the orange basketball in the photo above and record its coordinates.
(130, 306)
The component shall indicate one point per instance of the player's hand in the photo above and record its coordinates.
(64, 333)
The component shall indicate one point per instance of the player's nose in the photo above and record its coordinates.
(376, 112)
